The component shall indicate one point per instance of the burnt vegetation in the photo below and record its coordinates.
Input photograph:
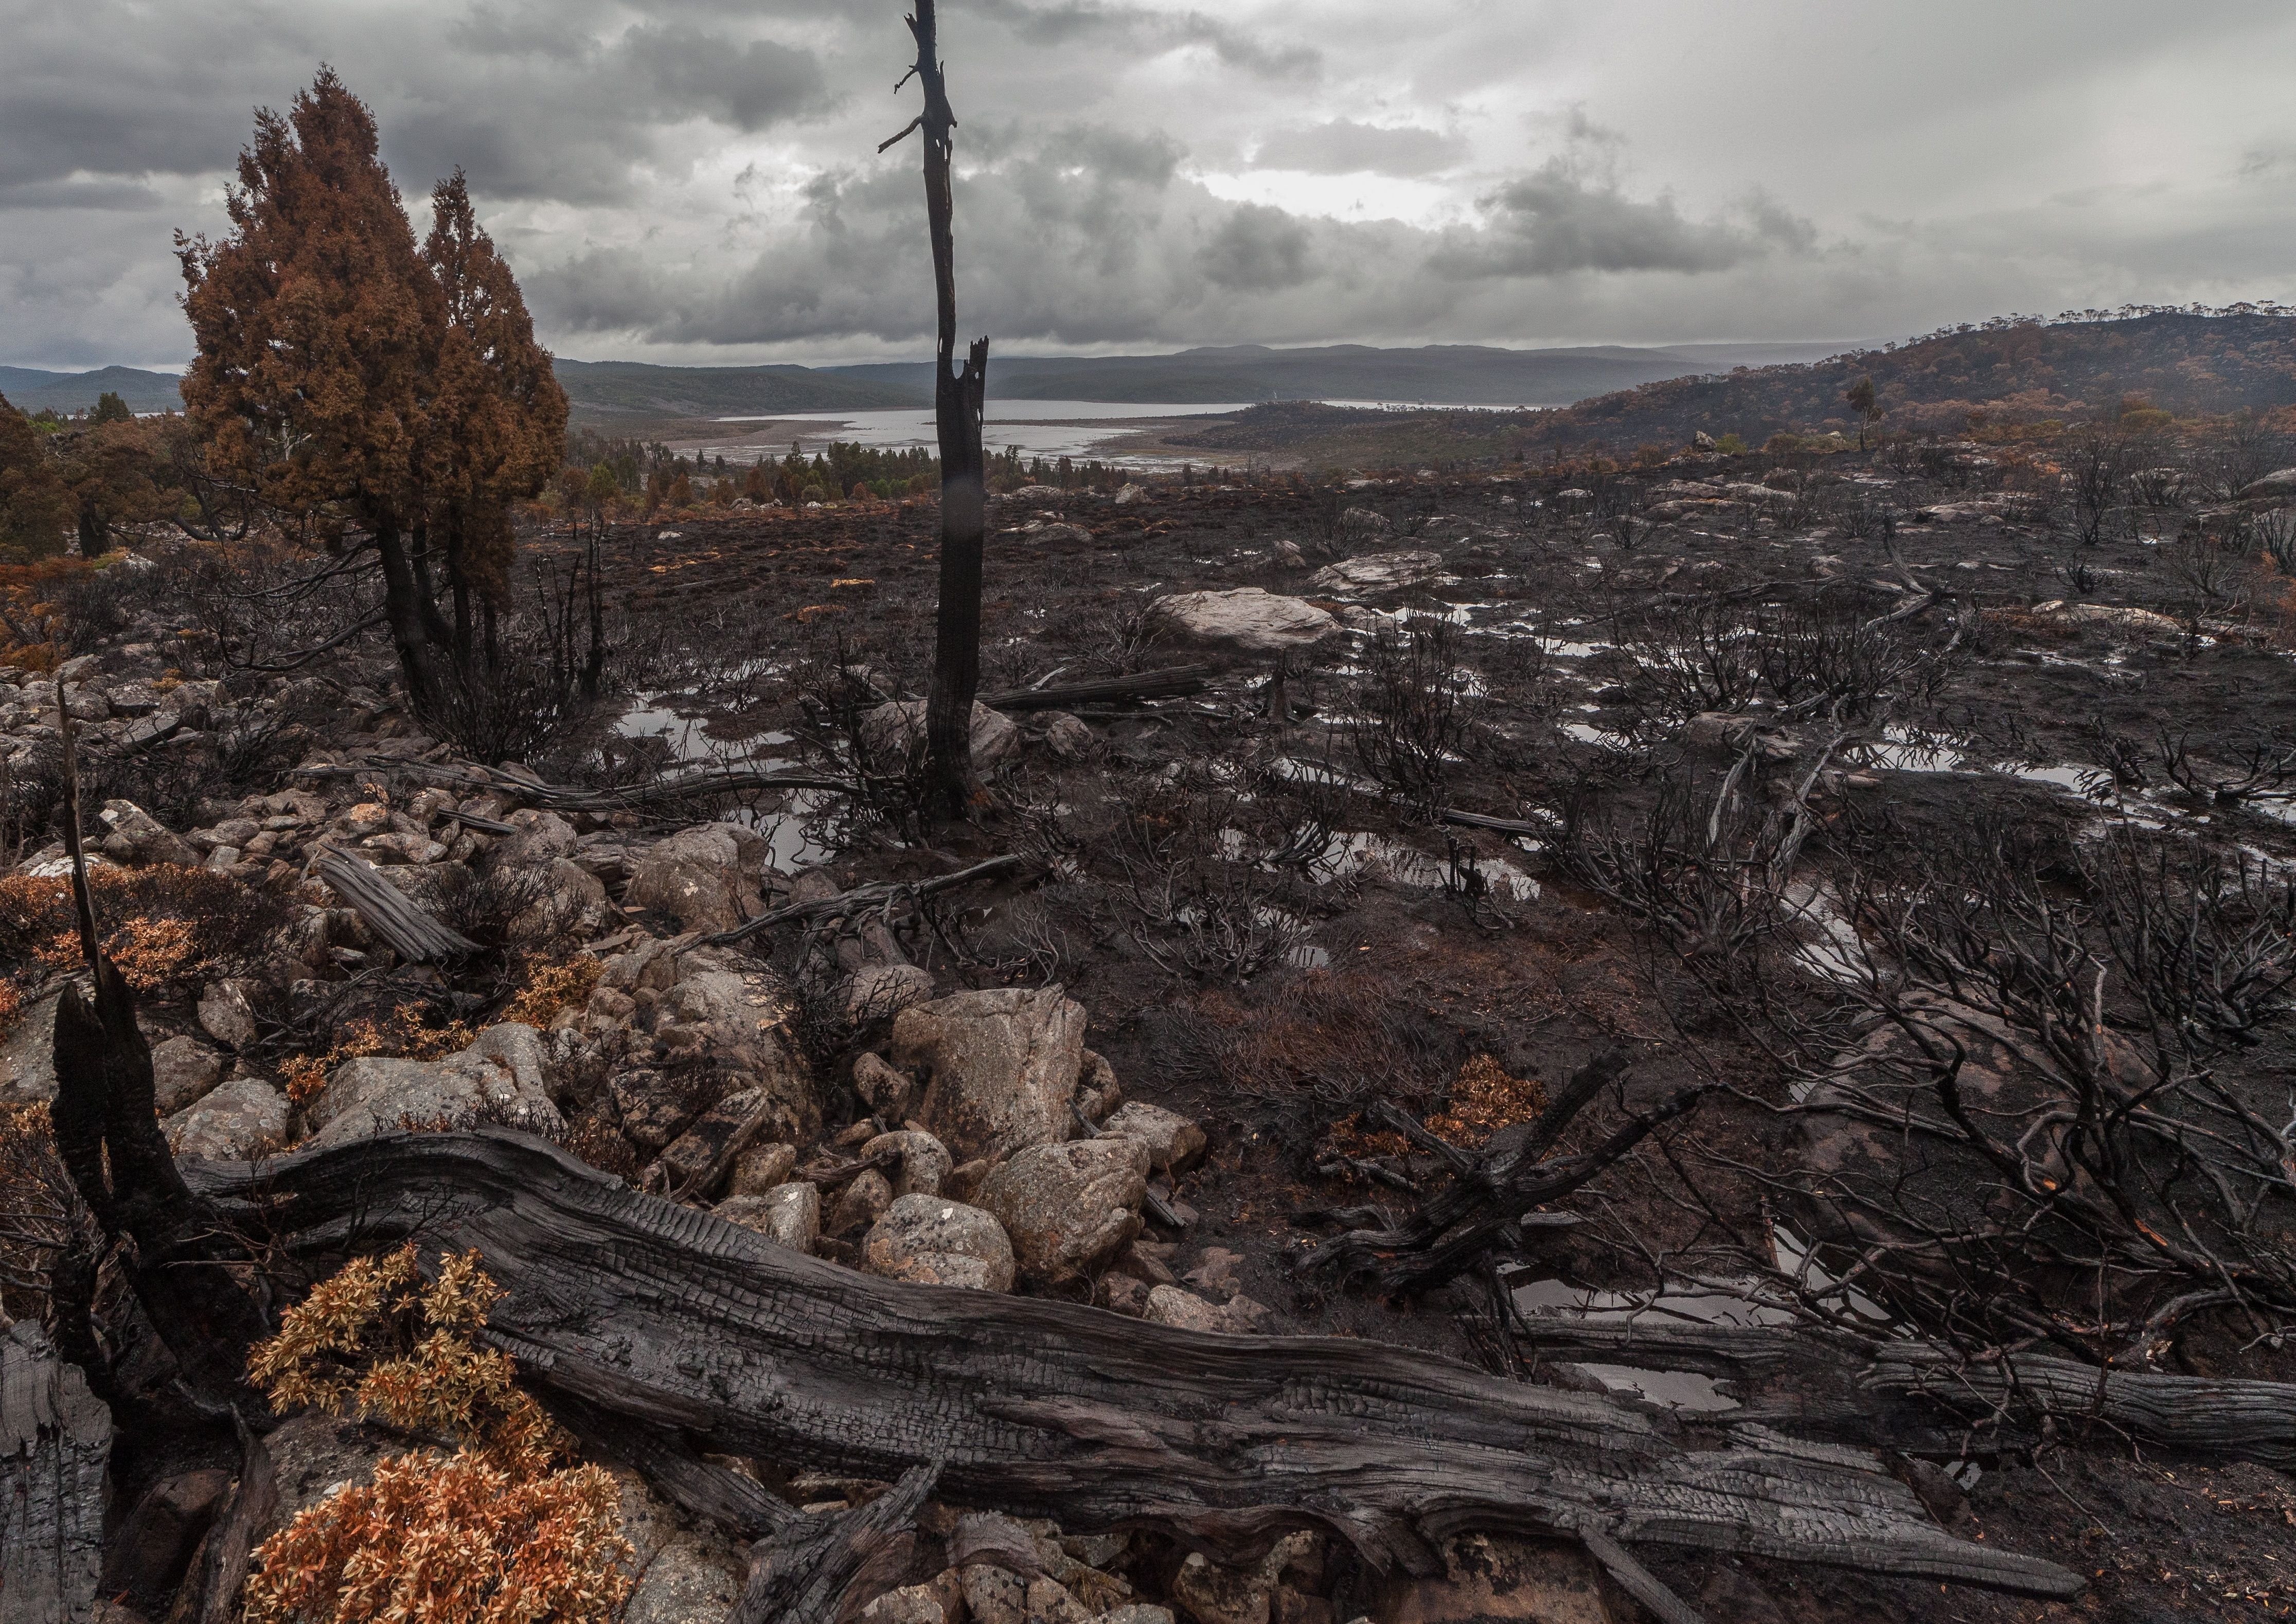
(1813, 921)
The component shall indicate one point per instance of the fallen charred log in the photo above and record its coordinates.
(672, 1319)
(1173, 682)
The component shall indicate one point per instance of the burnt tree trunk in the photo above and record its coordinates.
(403, 605)
(703, 1337)
(957, 402)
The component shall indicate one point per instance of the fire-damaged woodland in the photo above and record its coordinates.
(1609, 1027)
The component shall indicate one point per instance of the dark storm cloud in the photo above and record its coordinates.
(697, 179)
(1083, 21)
(1558, 219)
(1342, 146)
(1257, 250)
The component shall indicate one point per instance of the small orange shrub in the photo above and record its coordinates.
(162, 923)
(401, 1034)
(552, 988)
(495, 1533)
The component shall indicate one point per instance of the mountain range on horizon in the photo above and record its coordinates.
(1450, 375)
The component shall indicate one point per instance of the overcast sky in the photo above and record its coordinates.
(698, 180)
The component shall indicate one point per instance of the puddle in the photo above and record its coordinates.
(789, 846)
(1349, 855)
(1674, 1389)
(1588, 734)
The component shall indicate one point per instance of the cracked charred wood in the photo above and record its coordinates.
(1491, 1196)
(220, 1569)
(1173, 682)
(2190, 1415)
(820, 1569)
(55, 1446)
(874, 898)
(392, 913)
(672, 1319)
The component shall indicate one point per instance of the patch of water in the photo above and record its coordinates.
(787, 846)
(1587, 734)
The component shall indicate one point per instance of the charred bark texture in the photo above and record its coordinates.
(55, 1446)
(670, 1319)
(821, 1570)
(958, 395)
(2191, 1415)
(392, 913)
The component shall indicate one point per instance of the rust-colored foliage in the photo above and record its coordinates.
(163, 923)
(403, 1033)
(496, 1532)
(34, 506)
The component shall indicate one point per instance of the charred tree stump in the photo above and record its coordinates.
(672, 1320)
(106, 1125)
(1491, 1196)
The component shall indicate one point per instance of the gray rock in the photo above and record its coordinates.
(1138, 1612)
(890, 1096)
(183, 1071)
(898, 728)
(27, 1066)
(1001, 1065)
(541, 837)
(1377, 571)
(227, 1015)
(232, 1123)
(501, 1077)
(867, 1196)
(1069, 737)
(924, 1162)
(788, 1213)
(1242, 621)
(761, 1169)
(1168, 1305)
(934, 1242)
(747, 1015)
(134, 837)
(1068, 1208)
(1097, 1092)
(706, 877)
(879, 992)
(1174, 1143)
(910, 1605)
(690, 1580)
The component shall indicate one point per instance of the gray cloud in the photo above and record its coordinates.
(1156, 28)
(1558, 219)
(1342, 146)
(697, 179)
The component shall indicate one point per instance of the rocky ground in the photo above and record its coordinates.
(1130, 1068)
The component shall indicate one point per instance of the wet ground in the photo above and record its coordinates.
(1604, 644)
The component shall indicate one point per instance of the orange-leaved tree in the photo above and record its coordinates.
(352, 377)
(498, 416)
(34, 506)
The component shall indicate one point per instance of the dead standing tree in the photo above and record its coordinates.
(957, 403)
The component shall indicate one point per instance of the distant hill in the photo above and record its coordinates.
(29, 389)
(608, 387)
(1453, 374)
(2007, 371)
(2010, 371)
